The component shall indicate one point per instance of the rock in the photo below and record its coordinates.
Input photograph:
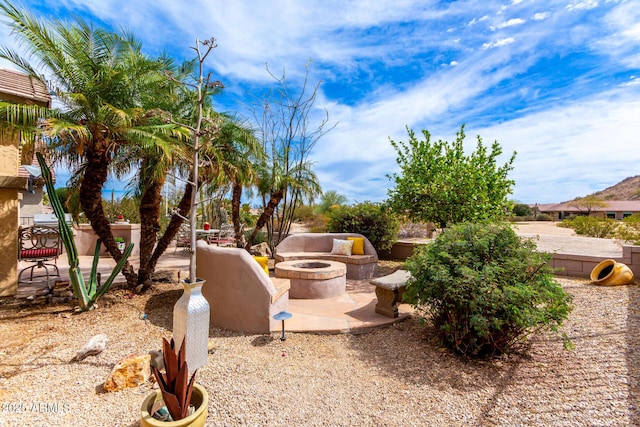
(261, 249)
(129, 372)
(156, 359)
(96, 345)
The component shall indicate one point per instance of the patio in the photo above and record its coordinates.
(353, 311)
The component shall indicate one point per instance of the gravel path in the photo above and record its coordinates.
(397, 376)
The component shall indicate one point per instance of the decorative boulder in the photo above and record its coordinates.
(129, 372)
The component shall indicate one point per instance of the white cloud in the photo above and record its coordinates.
(540, 16)
(560, 150)
(511, 23)
(498, 43)
(583, 5)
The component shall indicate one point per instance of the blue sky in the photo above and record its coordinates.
(556, 81)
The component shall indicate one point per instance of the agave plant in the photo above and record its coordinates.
(87, 294)
(176, 390)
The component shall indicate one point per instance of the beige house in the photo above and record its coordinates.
(20, 88)
(614, 209)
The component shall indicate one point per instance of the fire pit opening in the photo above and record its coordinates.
(312, 265)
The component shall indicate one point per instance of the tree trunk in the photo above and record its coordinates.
(275, 198)
(91, 200)
(150, 203)
(235, 214)
(172, 230)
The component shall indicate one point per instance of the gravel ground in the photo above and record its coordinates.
(398, 376)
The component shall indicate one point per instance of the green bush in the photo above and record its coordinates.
(521, 209)
(485, 289)
(592, 226)
(261, 236)
(543, 217)
(373, 220)
(629, 230)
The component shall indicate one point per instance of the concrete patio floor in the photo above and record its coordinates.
(351, 312)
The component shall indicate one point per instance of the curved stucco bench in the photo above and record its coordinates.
(318, 246)
(241, 296)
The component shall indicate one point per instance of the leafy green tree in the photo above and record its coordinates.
(373, 220)
(330, 199)
(588, 203)
(439, 183)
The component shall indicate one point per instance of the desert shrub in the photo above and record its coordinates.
(373, 220)
(318, 223)
(543, 217)
(520, 209)
(591, 226)
(629, 230)
(261, 236)
(304, 213)
(485, 289)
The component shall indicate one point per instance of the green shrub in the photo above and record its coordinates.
(592, 226)
(629, 230)
(373, 220)
(485, 289)
(520, 209)
(261, 236)
(543, 217)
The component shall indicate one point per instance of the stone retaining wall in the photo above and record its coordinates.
(565, 264)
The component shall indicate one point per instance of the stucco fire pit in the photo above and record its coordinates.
(313, 279)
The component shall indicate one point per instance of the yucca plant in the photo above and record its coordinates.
(174, 384)
(87, 294)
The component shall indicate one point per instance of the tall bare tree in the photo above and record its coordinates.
(288, 137)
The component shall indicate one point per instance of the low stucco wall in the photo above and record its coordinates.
(86, 238)
(572, 265)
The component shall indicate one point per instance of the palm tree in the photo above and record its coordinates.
(102, 79)
(277, 183)
(241, 151)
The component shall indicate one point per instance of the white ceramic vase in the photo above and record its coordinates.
(191, 320)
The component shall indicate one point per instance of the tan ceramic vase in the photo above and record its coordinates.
(611, 273)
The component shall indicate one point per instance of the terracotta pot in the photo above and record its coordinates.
(611, 273)
(199, 398)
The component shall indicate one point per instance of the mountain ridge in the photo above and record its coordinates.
(627, 189)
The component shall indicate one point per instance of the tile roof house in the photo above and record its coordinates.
(614, 209)
(18, 88)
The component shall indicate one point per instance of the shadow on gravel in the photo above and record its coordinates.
(633, 353)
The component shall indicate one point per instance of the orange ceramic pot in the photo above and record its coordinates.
(611, 273)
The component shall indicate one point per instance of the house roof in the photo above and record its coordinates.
(611, 206)
(16, 86)
(26, 171)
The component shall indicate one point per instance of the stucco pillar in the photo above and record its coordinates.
(10, 184)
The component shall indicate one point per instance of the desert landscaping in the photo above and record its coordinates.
(394, 376)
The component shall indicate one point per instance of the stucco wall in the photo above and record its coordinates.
(9, 217)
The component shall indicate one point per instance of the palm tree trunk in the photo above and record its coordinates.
(184, 207)
(235, 213)
(91, 201)
(274, 200)
(149, 226)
